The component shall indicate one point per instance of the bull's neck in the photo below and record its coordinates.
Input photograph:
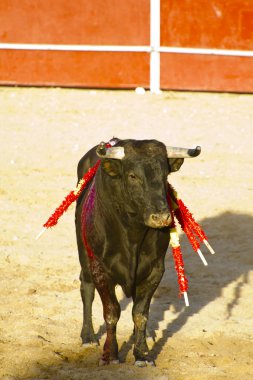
(111, 206)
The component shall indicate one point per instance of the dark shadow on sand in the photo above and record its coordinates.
(227, 233)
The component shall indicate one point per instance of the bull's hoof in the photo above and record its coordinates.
(144, 363)
(115, 361)
(90, 344)
(103, 362)
(89, 340)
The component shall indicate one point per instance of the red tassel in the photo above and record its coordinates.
(186, 227)
(188, 217)
(188, 224)
(71, 197)
(179, 266)
(185, 219)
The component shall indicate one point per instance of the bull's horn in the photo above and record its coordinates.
(116, 152)
(174, 152)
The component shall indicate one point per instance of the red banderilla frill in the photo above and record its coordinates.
(70, 198)
(192, 229)
(177, 255)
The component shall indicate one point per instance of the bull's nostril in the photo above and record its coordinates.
(154, 217)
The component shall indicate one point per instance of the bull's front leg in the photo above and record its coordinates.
(142, 299)
(111, 310)
(87, 290)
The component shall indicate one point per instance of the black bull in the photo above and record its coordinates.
(122, 227)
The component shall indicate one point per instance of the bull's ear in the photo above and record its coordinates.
(111, 167)
(175, 164)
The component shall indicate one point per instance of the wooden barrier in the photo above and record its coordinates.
(167, 44)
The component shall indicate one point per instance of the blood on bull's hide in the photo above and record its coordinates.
(122, 228)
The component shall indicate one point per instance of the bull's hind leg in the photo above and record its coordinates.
(87, 290)
(142, 299)
(111, 310)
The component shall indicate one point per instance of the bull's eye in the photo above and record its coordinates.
(132, 176)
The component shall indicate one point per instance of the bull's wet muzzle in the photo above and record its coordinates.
(159, 220)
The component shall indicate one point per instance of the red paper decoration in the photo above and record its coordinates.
(71, 197)
(179, 266)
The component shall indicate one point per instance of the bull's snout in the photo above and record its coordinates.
(159, 220)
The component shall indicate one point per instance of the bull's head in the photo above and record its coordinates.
(140, 170)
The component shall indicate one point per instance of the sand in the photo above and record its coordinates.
(43, 134)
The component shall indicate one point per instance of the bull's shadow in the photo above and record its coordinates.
(229, 234)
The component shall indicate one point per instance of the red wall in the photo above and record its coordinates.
(108, 22)
(114, 22)
(222, 24)
(76, 69)
(218, 24)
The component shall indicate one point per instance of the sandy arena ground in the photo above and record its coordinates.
(43, 134)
